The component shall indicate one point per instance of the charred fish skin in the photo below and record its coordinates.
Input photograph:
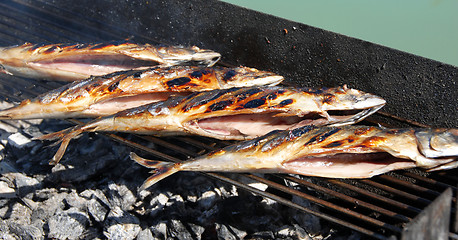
(90, 97)
(231, 114)
(333, 152)
(70, 62)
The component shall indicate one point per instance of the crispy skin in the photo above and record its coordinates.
(233, 114)
(335, 152)
(83, 98)
(52, 61)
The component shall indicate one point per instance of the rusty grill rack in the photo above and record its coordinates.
(379, 207)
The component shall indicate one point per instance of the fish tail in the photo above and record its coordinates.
(11, 113)
(63, 137)
(55, 135)
(163, 170)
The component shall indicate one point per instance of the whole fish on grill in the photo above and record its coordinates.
(235, 113)
(69, 62)
(333, 152)
(109, 94)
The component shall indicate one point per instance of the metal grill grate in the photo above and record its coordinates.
(378, 207)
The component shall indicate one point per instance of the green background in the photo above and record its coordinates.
(428, 28)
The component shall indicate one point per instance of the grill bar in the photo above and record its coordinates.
(349, 199)
(375, 196)
(390, 199)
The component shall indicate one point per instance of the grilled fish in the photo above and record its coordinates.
(106, 95)
(69, 62)
(333, 152)
(235, 113)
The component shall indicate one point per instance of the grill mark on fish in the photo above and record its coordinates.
(254, 103)
(271, 96)
(197, 74)
(51, 49)
(219, 106)
(229, 74)
(245, 94)
(178, 82)
(285, 102)
(113, 87)
(285, 137)
(321, 137)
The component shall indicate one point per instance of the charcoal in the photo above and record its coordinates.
(145, 235)
(178, 230)
(97, 210)
(68, 224)
(74, 200)
(26, 232)
(120, 196)
(229, 232)
(262, 235)
(309, 222)
(300, 233)
(157, 204)
(25, 185)
(208, 199)
(6, 191)
(81, 168)
(19, 213)
(121, 225)
(159, 230)
(18, 140)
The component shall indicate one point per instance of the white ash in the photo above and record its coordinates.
(121, 225)
(68, 224)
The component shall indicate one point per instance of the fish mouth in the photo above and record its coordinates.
(94, 64)
(347, 117)
(250, 125)
(346, 165)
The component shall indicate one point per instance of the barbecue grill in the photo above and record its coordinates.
(420, 92)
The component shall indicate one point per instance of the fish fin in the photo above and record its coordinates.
(147, 162)
(163, 170)
(160, 174)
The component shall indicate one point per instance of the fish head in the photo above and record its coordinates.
(247, 77)
(349, 105)
(191, 55)
(437, 143)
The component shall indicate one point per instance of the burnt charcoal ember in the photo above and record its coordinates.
(25, 231)
(229, 232)
(121, 225)
(159, 229)
(293, 232)
(145, 235)
(309, 222)
(120, 196)
(68, 224)
(207, 200)
(178, 230)
(6, 192)
(97, 210)
(25, 185)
